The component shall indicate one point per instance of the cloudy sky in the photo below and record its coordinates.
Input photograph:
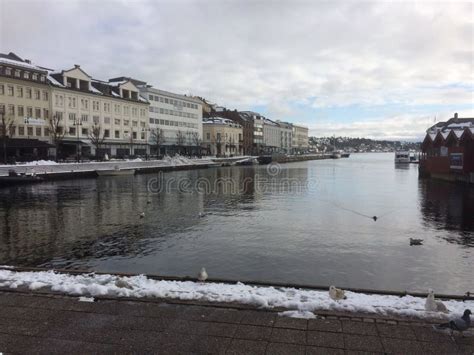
(357, 68)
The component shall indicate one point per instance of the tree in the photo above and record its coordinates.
(56, 131)
(157, 138)
(197, 141)
(218, 143)
(6, 130)
(180, 139)
(97, 137)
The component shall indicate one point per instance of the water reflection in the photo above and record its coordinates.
(448, 206)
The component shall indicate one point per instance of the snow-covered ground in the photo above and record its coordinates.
(50, 167)
(299, 302)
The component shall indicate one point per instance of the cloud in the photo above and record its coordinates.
(240, 54)
(408, 127)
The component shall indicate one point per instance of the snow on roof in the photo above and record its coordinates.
(117, 83)
(21, 64)
(220, 120)
(432, 136)
(444, 134)
(115, 94)
(459, 125)
(95, 91)
(142, 99)
(54, 81)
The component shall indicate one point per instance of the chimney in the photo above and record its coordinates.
(28, 61)
(455, 115)
(77, 66)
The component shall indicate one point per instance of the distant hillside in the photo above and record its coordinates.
(325, 144)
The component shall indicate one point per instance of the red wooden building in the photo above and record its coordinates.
(448, 150)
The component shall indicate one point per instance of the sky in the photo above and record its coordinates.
(383, 70)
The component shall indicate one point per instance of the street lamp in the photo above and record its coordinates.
(77, 123)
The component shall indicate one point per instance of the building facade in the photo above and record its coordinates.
(271, 136)
(176, 118)
(300, 139)
(286, 131)
(92, 110)
(25, 108)
(222, 137)
(448, 150)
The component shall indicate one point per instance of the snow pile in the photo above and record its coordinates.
(38, 162)
(177, 160)
(302, 301)
(136, 160)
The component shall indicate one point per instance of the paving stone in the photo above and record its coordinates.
(258, 318)
(325, 339)
(291, 336)
(396, 331)
(226, 315)
(222, 329)
(188, 327)
(249, 347)
(362, 342)
(196, 313)
(313, 350)
(429, 334)
(292, 323)
(285, 349)
(401, 346)
(253, 332)
(362, 328)
(23, 326)
(439, 348)
(325, 325)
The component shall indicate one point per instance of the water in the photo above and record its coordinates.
(306, 222)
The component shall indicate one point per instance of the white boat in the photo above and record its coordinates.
(336, 154)
(115, 172)
(402, 157)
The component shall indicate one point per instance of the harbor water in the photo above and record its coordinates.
(309, 222)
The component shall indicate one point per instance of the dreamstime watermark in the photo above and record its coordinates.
(273, 180)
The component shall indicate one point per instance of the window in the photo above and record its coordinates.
(42, 77)
(46, 131)
(161, 99)
(37, 112)
(95, 105)
(142, 113)
(134, 112)
(28, 93)
(208, 136)
(126, 122)
(21, 111)
(72, 131)
(26, 75)
(84, 118)
(142, 135)
(134, 123)
(21, 131)
(152, 120)
(17, 73)
(162, 110)
(10, 90)
(45, 113)
(107, 120)
(11, 110)
(19, 91)
(95, 119)
(35, 76)
(126, 110)
(117, 121)
(106, 133)
(142, 124)
(134, 135)
(84, 104)
(2, 89)
(85, 132)
(38, 131)
(117, 134)
(29, 131)
(106, 107)
(8, 71)
(72, 116)
(150, 97)
(45, 96)
(29, 111)
(117, 109)
(166, 100)
(37, 95)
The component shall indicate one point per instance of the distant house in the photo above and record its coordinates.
(448, 150)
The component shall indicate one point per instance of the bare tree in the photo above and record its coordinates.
(197, 141)
(180, 139)
(6, 130)
(56, 131)
(97, 137)
(157, 137)
(218, 143)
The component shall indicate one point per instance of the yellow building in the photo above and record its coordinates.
(222, 137)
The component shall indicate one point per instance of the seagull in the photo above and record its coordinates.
(202, 275)
(460, 324)
(433, 305)
(142, 215)
(336, 293)
(375, 218)
(123, 284)
(414, 241)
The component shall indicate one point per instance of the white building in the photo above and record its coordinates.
(177, 117)
(271, 136)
